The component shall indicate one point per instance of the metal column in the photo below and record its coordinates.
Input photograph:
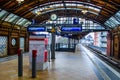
(34, 55)
(53, 46)
(20, 63)
(68, 42)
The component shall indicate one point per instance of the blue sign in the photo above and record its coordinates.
(71, 28)
(34, 29)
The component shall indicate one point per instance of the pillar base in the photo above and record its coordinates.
(53, 58)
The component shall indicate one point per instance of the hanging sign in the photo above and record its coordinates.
(34, 29)
(71, 28)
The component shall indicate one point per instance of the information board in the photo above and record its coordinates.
(33, 29)
(71, 28)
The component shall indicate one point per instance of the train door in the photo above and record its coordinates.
(116, 47)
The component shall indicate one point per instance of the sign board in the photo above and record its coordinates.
(71, 29)
(34, 29)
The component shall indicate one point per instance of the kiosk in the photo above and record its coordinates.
(39, 44)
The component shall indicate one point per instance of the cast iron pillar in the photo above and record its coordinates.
(53, 46)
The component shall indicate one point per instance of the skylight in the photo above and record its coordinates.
(113, 21)
(75, 6)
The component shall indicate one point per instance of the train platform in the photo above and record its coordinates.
(79, 65)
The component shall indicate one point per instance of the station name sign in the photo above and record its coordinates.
(71, 29)
(34, 29)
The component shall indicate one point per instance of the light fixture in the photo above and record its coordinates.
(84, 11)
(38, 13)
(19, 1)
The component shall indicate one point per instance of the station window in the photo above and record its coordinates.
(113, 21)
(2, 13)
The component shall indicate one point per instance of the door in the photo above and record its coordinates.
(116, 46)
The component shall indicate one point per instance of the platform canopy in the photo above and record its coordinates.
(22, 12)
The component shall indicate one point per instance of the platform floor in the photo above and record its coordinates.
(66, 66)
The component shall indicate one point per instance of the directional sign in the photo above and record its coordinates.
(71, 28)
(34, 29)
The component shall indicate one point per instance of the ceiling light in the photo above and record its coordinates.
(19, 1)
(84, 11)
(38, 13)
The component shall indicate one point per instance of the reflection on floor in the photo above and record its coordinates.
(66, 66)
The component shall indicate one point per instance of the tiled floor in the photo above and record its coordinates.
(66, 66)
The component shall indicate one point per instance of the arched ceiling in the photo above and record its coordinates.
(98, 10)
(26, 8)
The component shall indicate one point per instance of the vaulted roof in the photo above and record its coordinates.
(107, 8)
(97, 10)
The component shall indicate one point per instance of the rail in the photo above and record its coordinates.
(109, 59)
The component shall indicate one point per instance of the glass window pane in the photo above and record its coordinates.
(111, 23)
(76, 4)
(114, 20)
(118, 14)
(2, 13)
(19, 21)
(107, 24)
(13, 18)
(9, 17)
(22, 22)
(27, 24)
(117, 17)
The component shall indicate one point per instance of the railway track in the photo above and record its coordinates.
(109, 60)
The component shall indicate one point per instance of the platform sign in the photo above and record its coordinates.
(34, 29)
(71, 29)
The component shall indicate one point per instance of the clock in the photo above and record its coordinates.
(53, 17)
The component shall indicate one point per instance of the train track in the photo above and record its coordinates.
(109, 60)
